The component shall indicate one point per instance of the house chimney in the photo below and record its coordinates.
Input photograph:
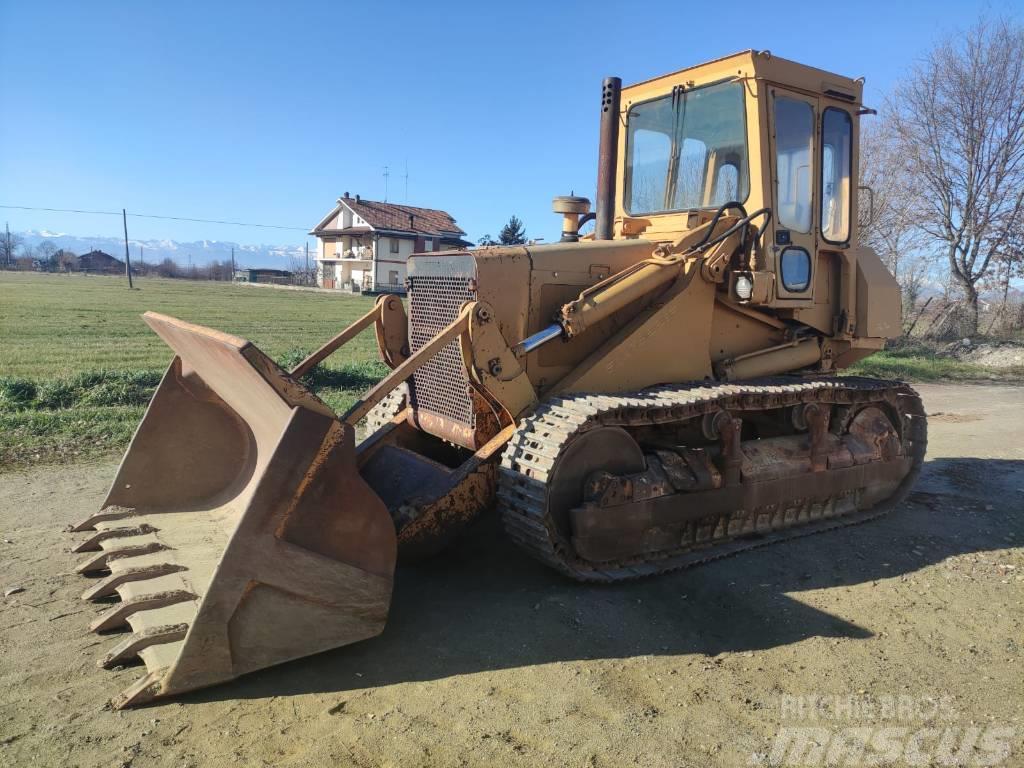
(357, 198)
(345, 195)
(412, 221)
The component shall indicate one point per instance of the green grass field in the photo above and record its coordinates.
(78, 364)
(919, 364)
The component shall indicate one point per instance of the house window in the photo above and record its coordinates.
(394, 245)
(428, 244)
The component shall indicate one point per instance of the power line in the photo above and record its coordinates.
(153, 216)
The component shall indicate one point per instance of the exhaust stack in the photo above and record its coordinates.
(607, 156)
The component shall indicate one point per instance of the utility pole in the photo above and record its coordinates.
(7, 248)
(306, 276)
(127, 255)
(142, 260)
(232, 263)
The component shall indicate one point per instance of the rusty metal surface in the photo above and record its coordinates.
(441, 520)
(608, 147)
(496, 373)
(431, 503)
(392, 330)
(238, 513)
(529, 464)
(452, 430)
(601, 533)
(440, 393)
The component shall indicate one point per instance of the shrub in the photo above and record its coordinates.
(16, 393)
(58, 393)
(91, 388)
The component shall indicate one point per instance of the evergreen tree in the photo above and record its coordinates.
(513, 233)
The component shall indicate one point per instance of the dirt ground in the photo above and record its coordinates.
(489, 659)
(994, 354)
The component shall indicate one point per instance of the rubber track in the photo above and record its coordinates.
(531, 454)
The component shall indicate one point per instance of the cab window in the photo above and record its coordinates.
(687, 150)
(794, 132)
(836, 160)
(796, 270)
(727, 183)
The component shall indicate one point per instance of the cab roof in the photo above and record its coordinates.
(761, 65)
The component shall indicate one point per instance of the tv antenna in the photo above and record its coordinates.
(406, 180)
(386, 174)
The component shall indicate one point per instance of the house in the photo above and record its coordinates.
(100, 263)
(262, 275)
(364, 244)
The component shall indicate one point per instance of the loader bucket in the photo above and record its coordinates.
(238, 532)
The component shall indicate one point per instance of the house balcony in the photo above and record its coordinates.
(359, 255)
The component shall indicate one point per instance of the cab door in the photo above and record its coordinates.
(794, 160)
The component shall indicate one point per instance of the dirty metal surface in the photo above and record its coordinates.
(430, 503)
(238, 533)
(529, 465)
(440, 392)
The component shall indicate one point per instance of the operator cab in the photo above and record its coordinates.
(757, 130)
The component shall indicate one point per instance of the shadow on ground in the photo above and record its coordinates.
(485, 606)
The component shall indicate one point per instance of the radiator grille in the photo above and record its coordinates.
(440, 386)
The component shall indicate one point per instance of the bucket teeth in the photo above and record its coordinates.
(238, 532)
(92, 544)
(117, 615)
(141, 691)
(137, 641)
(108, 586)
(99, 561)
(104, 515)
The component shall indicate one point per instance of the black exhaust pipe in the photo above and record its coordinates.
(607, 154)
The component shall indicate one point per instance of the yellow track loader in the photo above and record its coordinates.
(644, 398)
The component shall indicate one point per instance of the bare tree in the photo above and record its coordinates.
(959, 121)
(894, 230)
(67, 261)
(219, 270)
(168, 268)
(301, 273)
(1008, 266)
(9, 245)
(26, 258)
(46, 255)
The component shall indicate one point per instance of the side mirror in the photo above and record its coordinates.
(862, 220)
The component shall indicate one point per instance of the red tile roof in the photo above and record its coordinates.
(403, 218)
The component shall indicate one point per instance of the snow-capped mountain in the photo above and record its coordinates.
(200, 251)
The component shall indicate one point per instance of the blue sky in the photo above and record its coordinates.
(267, 111)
